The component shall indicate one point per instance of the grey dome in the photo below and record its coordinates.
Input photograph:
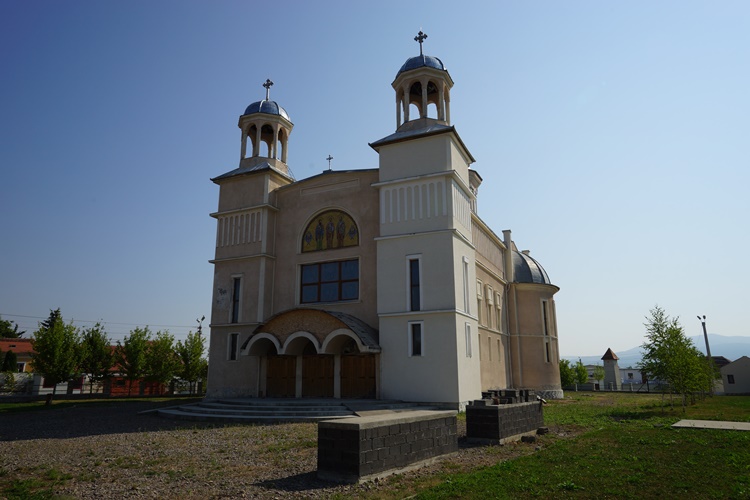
(420, 61)
(267, 107)
(528, 270)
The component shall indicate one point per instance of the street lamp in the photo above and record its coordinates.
(200, 326)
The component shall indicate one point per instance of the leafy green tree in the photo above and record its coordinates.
(10, 363)
(130, 355)
(670, 356)
(9, 329)
(598, 373)
(56, 351)
(567, 374)
(191, 356)
(162, 361)
(582, 375)
(97, 357)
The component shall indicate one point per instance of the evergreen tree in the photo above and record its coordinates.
(130, 355)
(9, 329)
(191, 356)
(162, 362)
(10, 363)
(56, 351)
(97, 357)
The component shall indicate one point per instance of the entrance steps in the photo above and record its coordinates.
(275, 410)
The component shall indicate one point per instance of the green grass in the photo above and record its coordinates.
(626, 449)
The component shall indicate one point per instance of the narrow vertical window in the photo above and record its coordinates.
(546, 351)
(489, 347)
(415, 339)
(236, 290)
(544, 319)
(730, 379)
(233, 341)
(480, 296)
(490, 305)
(466, 285)
(415, 290)
(468, 340)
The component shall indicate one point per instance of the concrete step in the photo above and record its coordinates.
(179, 414)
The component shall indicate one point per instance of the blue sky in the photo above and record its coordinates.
(612, 139)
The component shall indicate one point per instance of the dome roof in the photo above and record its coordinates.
(528, 270)
(420, 61)
(267, 107)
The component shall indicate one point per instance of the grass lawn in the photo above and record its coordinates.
(627, 449)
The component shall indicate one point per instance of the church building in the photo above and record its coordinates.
(378, 283)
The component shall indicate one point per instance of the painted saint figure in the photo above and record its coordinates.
(319, 235)
(330, 228)
(340, 231)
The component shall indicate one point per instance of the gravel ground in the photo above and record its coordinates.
(110, 450)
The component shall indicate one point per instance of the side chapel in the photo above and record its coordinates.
(378, 283)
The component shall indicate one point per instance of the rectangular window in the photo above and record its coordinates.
(415, 339)
(730, 379)
(546, 351)
(480, 296)
(236, 291)
(499, 311)
(489, 347)
(21, 367)
(490, 305)
(330, 281)
(468, 340)
(544, 319)
(466, 285)
(233, 341)
(415, 290)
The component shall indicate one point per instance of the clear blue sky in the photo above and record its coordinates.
(612, 138)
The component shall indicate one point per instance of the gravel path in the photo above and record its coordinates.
(109, 450)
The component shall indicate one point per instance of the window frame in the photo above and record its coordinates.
(410, 286)
(340, 281)
(467, 334)
(235, 310)
(233, 347)
(418, 325)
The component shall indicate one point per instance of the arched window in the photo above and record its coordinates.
(329, 230)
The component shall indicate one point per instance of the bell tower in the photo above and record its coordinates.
(425, 257)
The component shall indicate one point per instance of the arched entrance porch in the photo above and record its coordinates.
(335, 356)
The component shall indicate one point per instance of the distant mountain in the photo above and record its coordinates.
(721, 345)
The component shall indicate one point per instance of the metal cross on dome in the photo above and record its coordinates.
(329, 161)
(420, 38)
(268, 86)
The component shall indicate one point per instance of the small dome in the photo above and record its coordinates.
(419, 61)
(267, 107)
(528, 270)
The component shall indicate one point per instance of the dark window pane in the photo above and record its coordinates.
(414, 272)
(329, 292)
(416, 339)
(310, 293)
(350, 290)
(415, 306)
(350, 270)
(329, 271)
(310, 274)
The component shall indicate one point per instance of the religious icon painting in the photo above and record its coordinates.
(328, 230)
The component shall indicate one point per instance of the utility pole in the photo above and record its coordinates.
(708, 354)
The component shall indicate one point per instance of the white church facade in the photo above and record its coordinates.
(381, 283)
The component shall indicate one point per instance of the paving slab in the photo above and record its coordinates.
(712, 424)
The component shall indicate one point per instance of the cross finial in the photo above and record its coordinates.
(420, 38)
(268, 86)
(329, 161)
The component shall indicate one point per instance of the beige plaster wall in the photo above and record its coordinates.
(230, 378)
(422, 156)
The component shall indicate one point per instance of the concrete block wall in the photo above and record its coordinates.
(502, 422)
(361, 448)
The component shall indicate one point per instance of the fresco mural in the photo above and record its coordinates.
(328, 230)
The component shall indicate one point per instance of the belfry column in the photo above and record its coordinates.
(243, 150)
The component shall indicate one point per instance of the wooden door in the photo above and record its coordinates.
(317, 376)
(281, 376)
(358, 376)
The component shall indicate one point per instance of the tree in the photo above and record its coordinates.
(9, 329)
(582, 375)
(56, 348)
(10, 363)
(670, 356)
(191, 356)
(162, 362)
(567, 374)
(130, 355)
(598, 373)
(97, 357)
